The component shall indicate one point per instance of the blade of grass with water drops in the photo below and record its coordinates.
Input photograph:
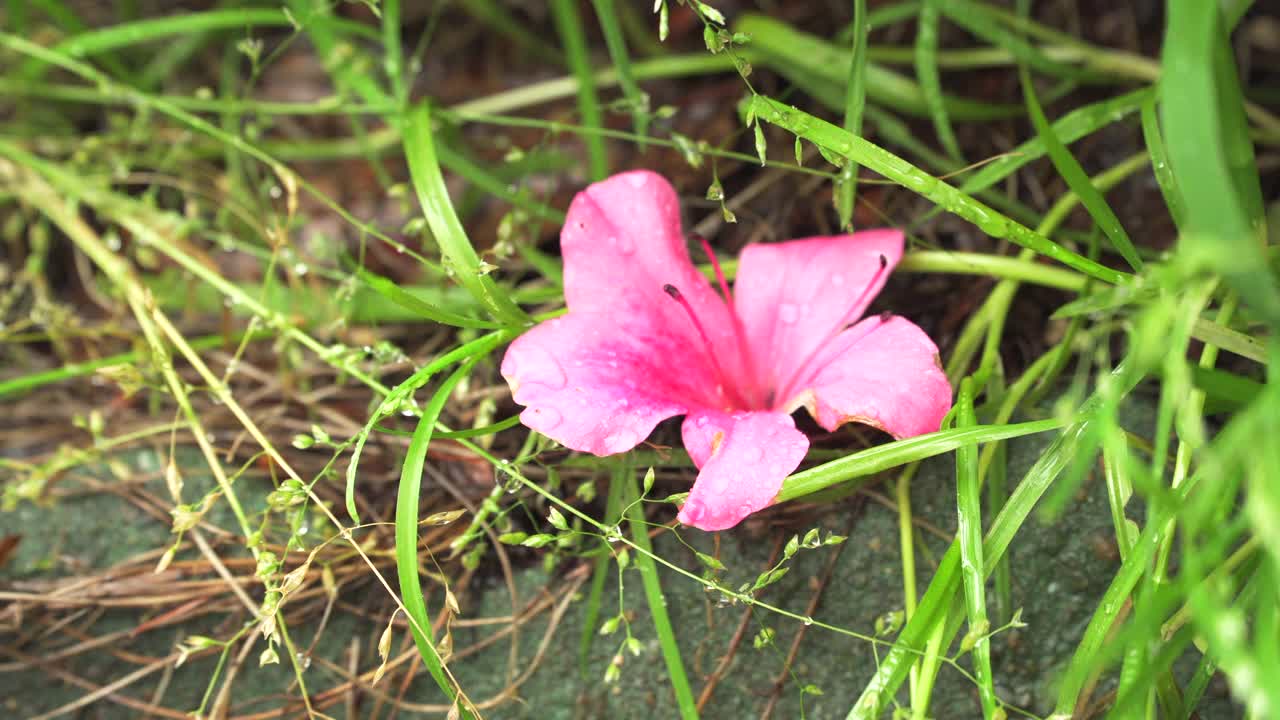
(1074, 175)
(972, 567)
(926, 52)
(836, 140)
(855, 100)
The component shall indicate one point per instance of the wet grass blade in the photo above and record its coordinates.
(1076, 178)
(926, 52)
(1160, 162)
(855, 100)
(1069, 128)
(836, 140)
(969, 536)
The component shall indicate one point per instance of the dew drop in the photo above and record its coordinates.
(638, 180)
(702, 421)
(837, 280)
(753, 455)
(788, 313)
(626, 245)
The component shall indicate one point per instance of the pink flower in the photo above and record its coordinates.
(647, 338)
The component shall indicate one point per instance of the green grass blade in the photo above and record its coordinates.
(994, 224)
(401, 394)
(982, 23)
(406, 522)
(394, 60)
(460, 257)
(884, 16)
(1160, 163)
(855, 100)
(1074, 175)
(969, 535)
(122, 35)
(569, 26)
(926, 54)
(56, 11)
(806, 59)
(494, 185)
(1210, 154)
(393, 292)
(625, 475)
(900, 452)
(938, 598)
(1069, 128)
(616, 41)
(24, 383)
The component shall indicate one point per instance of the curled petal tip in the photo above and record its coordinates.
(691, 513)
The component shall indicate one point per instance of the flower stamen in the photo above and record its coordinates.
(729, 387)
(739, 332)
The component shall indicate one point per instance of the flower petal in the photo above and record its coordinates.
(794, 296)
(622, 243)
(744, 457)
(599, 383)
(884, 372)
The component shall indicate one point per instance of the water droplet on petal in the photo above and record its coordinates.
(788, 313)
(837, 280)
(753, 455)
(638, 180)
(623, 402)
(626, 245)
(702, 421)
